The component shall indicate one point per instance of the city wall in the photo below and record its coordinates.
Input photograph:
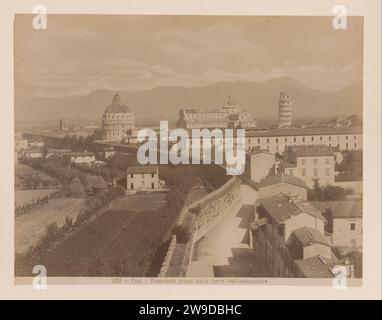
(194, 222)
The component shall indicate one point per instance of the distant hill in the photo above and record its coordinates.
(260, 98)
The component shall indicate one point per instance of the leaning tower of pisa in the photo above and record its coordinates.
(285, 110)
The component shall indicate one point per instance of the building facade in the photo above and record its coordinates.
(346, 218)
(228, 116)
(277, 140)
(87, 158)
(117, 121)
(314, 163)
(143, 178)
(287, 236)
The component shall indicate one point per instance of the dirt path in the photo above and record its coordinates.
(224, 251)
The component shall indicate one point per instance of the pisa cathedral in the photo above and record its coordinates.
(229, 115)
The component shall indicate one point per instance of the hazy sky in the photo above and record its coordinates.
(80, 53)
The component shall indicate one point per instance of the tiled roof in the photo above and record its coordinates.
(314, 267)
(282, 178)
(117, 106)
(308, 236)
(341, 209)
(280, 207)
(142, 169)
(303, 131)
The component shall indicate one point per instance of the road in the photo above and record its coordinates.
(224, 251)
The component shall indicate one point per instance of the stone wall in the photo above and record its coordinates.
(195, 221)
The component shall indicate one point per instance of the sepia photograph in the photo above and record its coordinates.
(192, 158)
(188, 146)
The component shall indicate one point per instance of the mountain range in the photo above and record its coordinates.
(162, 103)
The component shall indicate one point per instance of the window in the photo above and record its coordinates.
(267, 140)
(347, 146)
(330, 138)
(353, 242)
(346, 137)
(286, 139)
(303, 161)
(277, 140)
(131, 175)
(152, 185)
(258, 140)
(303, 172)
(355, 137)
(152, 175)
(303, 139)
(315, 161)
(355, 145)
(315, 171)
(320, 138)
(352, 226)
(327, 171)
(294, 139)
(131, 186)
(312, 138)
(327, 160)
(290, 171)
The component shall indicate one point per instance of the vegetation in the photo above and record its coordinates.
(54, 233)
(123, 242)
(77, 143)
(328, 193)
(351, 167)
(28, 178)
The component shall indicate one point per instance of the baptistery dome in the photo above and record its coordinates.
(117, 120)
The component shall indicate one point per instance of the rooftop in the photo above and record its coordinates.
(281, 207)
(281, 178)
(142, 169)
(281, 132)
(340, 209)
(308, 236)
(314, 267)
(117, 106)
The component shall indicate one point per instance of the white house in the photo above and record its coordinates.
(347, 221)
(143, 178)
(34, 153)
(309, 163)
(82, 157)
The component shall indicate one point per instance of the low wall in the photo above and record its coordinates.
(197, 219)
(168, 257)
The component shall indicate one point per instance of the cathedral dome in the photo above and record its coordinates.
(117, 106)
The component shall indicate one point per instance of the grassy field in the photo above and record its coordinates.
(30, 227)
(28, 178)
